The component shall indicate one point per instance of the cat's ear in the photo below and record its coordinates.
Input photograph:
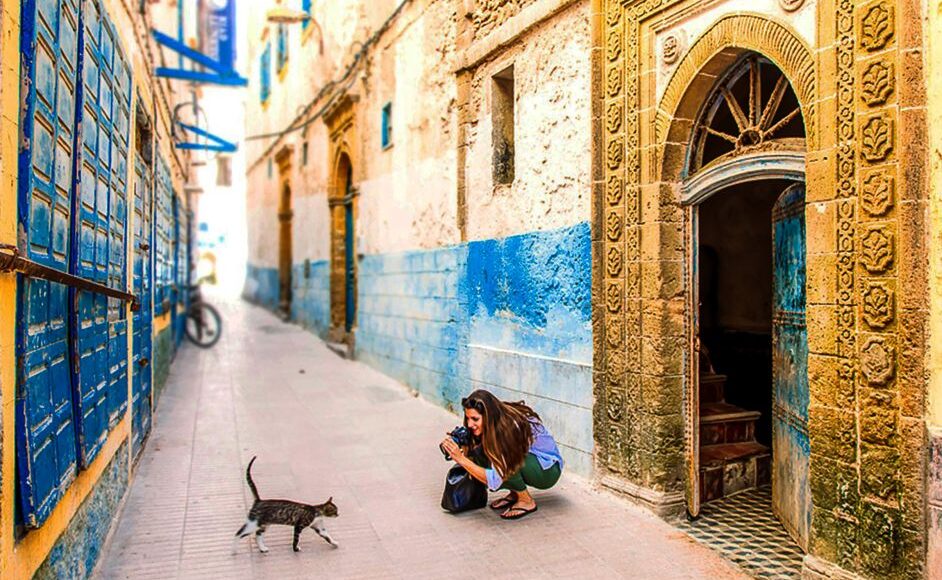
(330, 499)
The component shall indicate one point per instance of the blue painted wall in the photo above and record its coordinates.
(310, 304)
(261, 286)
(410, 319)
(529, 316)
(511, 315)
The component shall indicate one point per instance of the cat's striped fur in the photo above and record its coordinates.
(266, 512)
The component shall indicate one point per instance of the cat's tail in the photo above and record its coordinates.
(248, 478)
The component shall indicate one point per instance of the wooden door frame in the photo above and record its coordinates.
(773, 166)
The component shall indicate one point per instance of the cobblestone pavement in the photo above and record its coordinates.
(322, 426)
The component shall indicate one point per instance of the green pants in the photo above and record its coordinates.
(531, 474)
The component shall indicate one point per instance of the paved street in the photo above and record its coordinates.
(322, 426)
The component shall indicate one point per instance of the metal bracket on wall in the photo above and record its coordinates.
(221, 75)
(11, 261)
(217, 143)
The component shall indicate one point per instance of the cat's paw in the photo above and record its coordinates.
(334, 545)
(263, 549)
(297, 548)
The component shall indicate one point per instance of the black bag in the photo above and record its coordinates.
(462, 492)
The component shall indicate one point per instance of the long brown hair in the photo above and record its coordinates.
(507, 434)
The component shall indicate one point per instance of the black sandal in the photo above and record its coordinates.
(504, 502)
(523, 512)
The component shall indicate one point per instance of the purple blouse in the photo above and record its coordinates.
(543, 448)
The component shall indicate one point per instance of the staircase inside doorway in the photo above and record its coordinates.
(731, 460)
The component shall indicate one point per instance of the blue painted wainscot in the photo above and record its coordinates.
(310, 303)
(529, 313)
(510, 315)
(261, 286)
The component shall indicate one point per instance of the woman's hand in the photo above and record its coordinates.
(450, 447)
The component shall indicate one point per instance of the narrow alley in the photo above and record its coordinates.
(322, 426)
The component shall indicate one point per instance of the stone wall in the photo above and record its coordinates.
(862, 100)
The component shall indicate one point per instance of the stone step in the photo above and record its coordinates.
(725, 423)
(712, 388)
(339, 348)
(733, 467)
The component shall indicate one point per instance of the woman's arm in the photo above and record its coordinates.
(456, 453)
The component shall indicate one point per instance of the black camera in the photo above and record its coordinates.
(461, 436)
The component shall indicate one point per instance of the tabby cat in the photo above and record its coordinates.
(266, 512)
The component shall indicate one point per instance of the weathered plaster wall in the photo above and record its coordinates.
(9, 128)
(552, 140)
(489, 14)
(406, 191)
(411, 320)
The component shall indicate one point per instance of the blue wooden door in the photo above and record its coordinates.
(143, 321)
(791, 495)
(349, 255)
(45, 428)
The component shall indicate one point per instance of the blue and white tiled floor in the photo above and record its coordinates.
(743, 529)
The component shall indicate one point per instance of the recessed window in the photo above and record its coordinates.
(386, 133)
(304, 153)
(265, 74)
(502, 115)
(281, 56)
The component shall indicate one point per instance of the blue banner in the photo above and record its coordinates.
(217, 31)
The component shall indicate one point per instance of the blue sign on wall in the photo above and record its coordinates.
(217, 54)
(217, 31)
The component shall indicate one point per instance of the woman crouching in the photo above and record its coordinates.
(518, 451)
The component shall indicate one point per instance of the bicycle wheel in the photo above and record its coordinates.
(203, 325)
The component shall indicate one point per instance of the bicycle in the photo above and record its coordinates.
(203, 323)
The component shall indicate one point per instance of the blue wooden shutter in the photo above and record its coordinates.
(163, 190)
(265, 74)
(45, 430)
(99, 328)
(282, 48)
(306, 7)
(143, 280)
(386, 126)
(117, 263)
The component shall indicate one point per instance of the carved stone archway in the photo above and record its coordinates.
(341, 198)
(867, 433)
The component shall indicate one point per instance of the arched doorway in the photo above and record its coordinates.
(743, 187)
(285, 253)
(343, 279)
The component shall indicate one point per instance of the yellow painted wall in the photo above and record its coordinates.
(9, 128)
(20, 559)
(934, 76)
